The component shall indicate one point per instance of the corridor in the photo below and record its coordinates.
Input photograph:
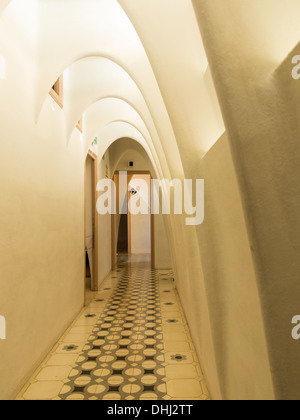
(167, 128)
(131, 343)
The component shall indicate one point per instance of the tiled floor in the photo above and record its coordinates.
(131, 343)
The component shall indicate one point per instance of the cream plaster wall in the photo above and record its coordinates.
(41, 216)
(139, 70)
(246, 42)
(230, 279)
(163, 260)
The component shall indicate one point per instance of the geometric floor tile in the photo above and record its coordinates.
(132, 342)
(125, 347)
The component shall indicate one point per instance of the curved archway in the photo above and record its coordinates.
(107, 77)
(110, 80)
(119, 153)
(116, 130)
(110, 110)
(128, 148)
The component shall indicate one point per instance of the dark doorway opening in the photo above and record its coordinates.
(88, 275)
(123, 235)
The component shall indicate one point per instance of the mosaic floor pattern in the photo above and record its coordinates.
(131, 343)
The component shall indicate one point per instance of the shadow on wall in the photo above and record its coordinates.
(3, 5)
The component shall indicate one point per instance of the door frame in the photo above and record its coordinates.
(114, 237)
(94, 285)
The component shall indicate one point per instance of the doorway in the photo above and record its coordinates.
(133, 234)
(91, 229)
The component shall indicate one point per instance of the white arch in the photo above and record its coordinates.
(116, 130)
(110, 110)
(106, 80)
(105, 31)
(136, 148)
(121, 109)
